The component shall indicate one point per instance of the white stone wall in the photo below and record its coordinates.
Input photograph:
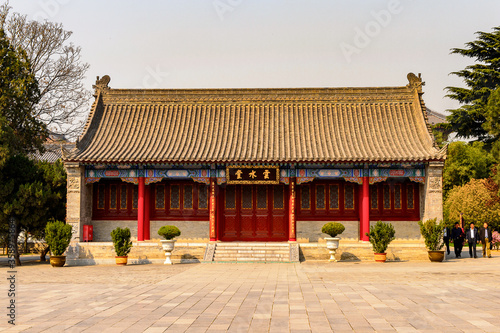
(193, 231)
(310, 231)
(79, 200)
(433, 192)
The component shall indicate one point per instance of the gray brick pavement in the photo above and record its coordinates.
(459, 295)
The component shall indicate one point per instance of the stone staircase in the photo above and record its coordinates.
(246, 252)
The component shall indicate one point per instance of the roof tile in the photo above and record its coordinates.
(257, 125)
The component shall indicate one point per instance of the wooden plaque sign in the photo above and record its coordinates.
(256, 174)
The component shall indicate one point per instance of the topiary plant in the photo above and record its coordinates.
(432, 233)
(169, 231)
(121, 241)
(333, 229)
(381, 234)
(58, 237)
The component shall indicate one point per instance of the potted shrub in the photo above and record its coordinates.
(58, 237)
(332, 243)
(122, 244)
(381, 235)
(168, 232)
(433, 237)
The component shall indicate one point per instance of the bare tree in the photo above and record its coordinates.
(56, 64)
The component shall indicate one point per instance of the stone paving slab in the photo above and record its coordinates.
(459, 295)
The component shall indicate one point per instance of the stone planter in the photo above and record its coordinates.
(436, 256)
(168, 247)
(380, 257)
(57, 261)
(332, 244)
(121, 260)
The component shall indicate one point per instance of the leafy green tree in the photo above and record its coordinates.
(32, 193)
(441, 133)
(477, 200)
(7, 140)
(465, 161)
(54, 176)
(18, 179)
(18, 92)
(481, 79)
(492, 124)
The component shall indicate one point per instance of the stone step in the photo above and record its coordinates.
(245, 259)
(251, 255)
(253, 251)
(251, 244)
(253, 247)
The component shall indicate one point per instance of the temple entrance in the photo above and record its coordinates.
(254, 213)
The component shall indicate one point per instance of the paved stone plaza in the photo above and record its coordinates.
(453, 296)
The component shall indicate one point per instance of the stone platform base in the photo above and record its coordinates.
(357, 250)
(150, 252)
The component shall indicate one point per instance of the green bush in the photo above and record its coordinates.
(121, 241)
(478, 200)
(381, 234)
(58, 236)
(169, 231)
(432, 233)
(333, 229)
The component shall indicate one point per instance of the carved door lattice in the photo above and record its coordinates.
(254, 213)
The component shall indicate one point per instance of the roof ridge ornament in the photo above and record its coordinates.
(415, 82)
(101, 84)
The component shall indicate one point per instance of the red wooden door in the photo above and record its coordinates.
(254, 213)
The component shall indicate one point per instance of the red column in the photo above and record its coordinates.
(365, 210)
(291, 212)
(140, 210)
(147, 228)
(212, 211)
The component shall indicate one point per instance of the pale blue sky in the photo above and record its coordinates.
(266, 43)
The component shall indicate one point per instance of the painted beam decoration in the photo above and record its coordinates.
(355, 175)
(252, 174)
(350, 175)
(151, 175)
(380, 175)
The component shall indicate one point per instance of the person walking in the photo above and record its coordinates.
(458, 239)
(485, 237)
(472, 236)
(446, 238)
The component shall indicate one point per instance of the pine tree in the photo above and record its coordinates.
(481, 79)
(18, 92)
(24, 193)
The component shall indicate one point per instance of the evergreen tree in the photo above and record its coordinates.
(54, 176)
(18, 92)
(492, 124)
(465, 161)
(32, 193)
(481, 79)
(25, 195)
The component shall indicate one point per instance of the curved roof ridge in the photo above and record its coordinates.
(300, 133)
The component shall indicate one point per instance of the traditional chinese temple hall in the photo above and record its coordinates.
(267, 166)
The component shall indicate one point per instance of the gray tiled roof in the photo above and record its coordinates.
(257, 125)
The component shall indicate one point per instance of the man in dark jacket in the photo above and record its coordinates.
(472, 236)
(458, 239)
(485, 237)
